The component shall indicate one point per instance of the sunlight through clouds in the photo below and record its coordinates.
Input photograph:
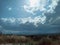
(32, 7)
(44, 6)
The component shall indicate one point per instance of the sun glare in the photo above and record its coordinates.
(33, 3)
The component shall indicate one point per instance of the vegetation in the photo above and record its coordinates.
(30, 40)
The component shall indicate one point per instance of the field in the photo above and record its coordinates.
(30, 40)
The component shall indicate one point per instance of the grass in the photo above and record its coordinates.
(30, 40)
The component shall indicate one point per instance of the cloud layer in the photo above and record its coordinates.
(43, 6)
(35, 20)
(18, 26)
(37, 24)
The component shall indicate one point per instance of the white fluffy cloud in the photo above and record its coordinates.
(10, 20)
(52, 6)
(45, 6)
(35, 20)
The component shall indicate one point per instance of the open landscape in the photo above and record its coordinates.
(30, 40)
(29, 22)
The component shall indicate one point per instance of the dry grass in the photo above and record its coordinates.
(31, 40)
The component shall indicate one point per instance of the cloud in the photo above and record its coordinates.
(33, 25)
(10, 20)
(56, 21)
(35, 20)
(45, 6)
(26, 26)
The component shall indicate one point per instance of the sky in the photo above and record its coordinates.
(29, 16)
